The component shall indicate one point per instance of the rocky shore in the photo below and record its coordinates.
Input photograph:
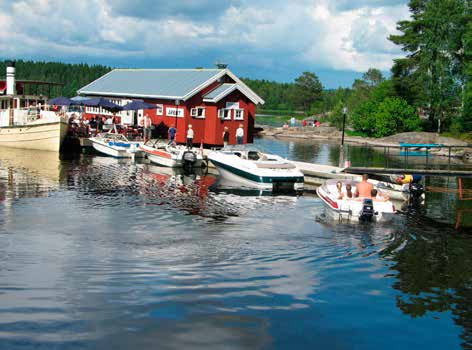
(332, 134)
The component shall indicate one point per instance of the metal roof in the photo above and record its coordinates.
(223, 89)
(157, 83)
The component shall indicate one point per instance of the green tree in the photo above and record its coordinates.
(373, 77)
(430, 74)
(390, 116)
(308, 89)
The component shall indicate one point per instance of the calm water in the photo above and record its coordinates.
(101, 254)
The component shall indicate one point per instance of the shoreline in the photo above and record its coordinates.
(461, 149)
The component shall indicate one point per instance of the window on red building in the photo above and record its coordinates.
(239, 114)
(224, 113)
(198, 112)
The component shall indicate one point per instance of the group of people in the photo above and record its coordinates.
(172, 132)
(364, 189)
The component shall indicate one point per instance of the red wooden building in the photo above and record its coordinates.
(209, 99)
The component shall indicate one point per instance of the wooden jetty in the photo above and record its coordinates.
(424, 172)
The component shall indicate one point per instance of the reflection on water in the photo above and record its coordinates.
(108, 254)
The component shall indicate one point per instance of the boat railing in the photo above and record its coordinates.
(25, 116)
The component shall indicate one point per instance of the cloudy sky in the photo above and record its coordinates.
(266, 39)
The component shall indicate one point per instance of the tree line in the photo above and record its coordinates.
(72, 76)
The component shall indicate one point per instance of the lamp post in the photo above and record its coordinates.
(344, 124)
(177, 103)
(341, 150)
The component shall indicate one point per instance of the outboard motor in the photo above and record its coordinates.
(367, 211)
(189, 159)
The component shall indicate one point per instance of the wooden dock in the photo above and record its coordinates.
(424, 172)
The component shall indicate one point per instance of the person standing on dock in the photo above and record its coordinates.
(225, 136)
(147, 127)
(172, 132)
(240, 134)
(190, 134)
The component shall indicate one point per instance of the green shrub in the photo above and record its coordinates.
(379, 119)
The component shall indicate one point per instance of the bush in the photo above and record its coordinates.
(379, 119)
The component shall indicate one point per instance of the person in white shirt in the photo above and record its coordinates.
(240, 134)
(190, 135)
(147, 127)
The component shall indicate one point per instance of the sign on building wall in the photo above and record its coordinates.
(159, 109)
(173, 112)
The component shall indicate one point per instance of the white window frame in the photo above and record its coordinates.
(159, 109)
(224, 113)
(198, 112)
(240, 112)
(179, 111)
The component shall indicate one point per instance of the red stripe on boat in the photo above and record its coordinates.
(157, 153)
(330, 201)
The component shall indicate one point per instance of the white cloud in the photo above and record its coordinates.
(318, 34)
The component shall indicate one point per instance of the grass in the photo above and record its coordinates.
(465, 136)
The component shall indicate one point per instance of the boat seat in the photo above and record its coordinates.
(252, 155)
(276, 166)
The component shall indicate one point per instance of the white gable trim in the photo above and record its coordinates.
(227, 92)
(245, 89)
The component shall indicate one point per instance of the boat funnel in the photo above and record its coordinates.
(11, 71)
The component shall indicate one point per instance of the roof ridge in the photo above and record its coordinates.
(169, 69)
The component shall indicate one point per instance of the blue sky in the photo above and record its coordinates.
(274, 40)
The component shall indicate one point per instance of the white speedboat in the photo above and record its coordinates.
(251, 168)
(353, 209)
(116, 145)
(174, 156)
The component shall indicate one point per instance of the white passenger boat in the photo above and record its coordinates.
(250, 168)
(353, 209)
(25, 121)
(116, 145)
(174, 156)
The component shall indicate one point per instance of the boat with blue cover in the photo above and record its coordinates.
(116, 145)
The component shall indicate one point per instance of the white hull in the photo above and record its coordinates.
(230, 179)
(44, 137)
(114, 151)
(351, 209)
(248, 168)
(161, 156)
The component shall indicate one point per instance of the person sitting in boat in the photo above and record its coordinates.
(408, 179)
(378, 196)
(348, 194)
(339, 187)
(364, 188)
(172, 132)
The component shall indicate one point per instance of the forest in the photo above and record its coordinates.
(433, 80)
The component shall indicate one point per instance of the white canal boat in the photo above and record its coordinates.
(116, 145)
(25, 121)
(353, 209)
(174, 156)
(250, 168)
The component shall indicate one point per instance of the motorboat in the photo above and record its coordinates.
(116, 145)
(171, 155)
(353, 209)
(251, 168)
